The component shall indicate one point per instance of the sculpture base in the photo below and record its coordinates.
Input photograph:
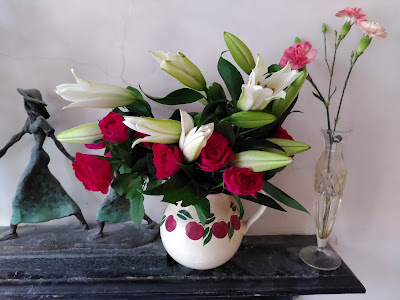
(46, 237)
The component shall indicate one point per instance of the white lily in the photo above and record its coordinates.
(192, 140)
(180, 67)
(260, 91)
(83, 134)
(162, 131)
(98, 95)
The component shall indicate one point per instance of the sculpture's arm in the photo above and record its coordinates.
(13, 140)
(61, 147)
(49, 131)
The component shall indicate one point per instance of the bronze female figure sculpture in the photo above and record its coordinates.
(39, 196)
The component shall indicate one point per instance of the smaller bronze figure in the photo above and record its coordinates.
(115, 209)
(39, 196)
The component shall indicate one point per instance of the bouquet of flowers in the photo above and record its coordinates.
(234, 146)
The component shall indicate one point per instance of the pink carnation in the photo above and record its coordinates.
(352, 14)
(372, 29)
(298, 55)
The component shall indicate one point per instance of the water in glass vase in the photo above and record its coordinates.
(329, 180)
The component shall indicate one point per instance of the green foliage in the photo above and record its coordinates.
(282, 197)
(232, 78)
(182, 96)
(136, 198)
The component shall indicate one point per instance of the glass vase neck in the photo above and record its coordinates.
(334, 139)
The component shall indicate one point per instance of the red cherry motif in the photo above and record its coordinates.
(235, 222)
(194, 231)
(170, 223)
(220, 229)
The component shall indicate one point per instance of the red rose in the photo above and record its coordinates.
(281, 133)
(113, 129)
(216, 154)
(94, 172)
(243, 181)
(100, 145)
(166, 159)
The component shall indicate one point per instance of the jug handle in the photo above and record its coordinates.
(257, 214)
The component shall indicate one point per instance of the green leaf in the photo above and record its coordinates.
(264, 200)
(226, 129)
(136, 199)
(124, 169)
(216, 92)
(186, 213)
(140, 107)
(239, 202)
(274, 68)
(230, 230)
(232, 78)
(208, 238)
(181, 216)
(210, 111)
(178, 188)
(121, 182)
(206, 231)
(282, 197)
(203, 210)
(181, 96)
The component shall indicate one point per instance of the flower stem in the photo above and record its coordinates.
(326, 103)
(344, 88)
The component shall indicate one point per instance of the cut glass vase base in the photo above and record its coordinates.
(321, 259)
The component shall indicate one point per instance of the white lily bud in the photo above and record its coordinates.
(193, 140)
(162, 131)
(260, 161)
(178, 66)
(83, 134)
(96, 95)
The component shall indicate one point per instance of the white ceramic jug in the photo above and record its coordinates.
(205, 247)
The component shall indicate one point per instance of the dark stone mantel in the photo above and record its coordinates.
(266, 266)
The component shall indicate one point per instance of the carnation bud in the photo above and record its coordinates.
(323, 28)
(297, 40)
(345, 30)
(364, 43)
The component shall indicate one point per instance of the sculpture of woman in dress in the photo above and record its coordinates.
(39, 196)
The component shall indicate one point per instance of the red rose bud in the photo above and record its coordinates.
(94, 172)
(113, 129)
(243, 181)
(216, 154)
(281, 133)
(96, 146)
(166, 159)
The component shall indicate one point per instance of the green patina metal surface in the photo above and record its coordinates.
(115, 208)
(40, 196)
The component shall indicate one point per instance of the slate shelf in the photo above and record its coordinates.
(265, 266)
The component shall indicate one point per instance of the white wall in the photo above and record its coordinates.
(107, 41)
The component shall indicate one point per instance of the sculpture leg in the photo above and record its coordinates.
(100, 225)
(150, 223)
(12, 234)
(81, 219)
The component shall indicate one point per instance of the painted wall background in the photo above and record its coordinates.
(108, 41)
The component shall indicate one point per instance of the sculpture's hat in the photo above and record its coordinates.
(32, 95)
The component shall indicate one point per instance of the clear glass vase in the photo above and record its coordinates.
(329, 180)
